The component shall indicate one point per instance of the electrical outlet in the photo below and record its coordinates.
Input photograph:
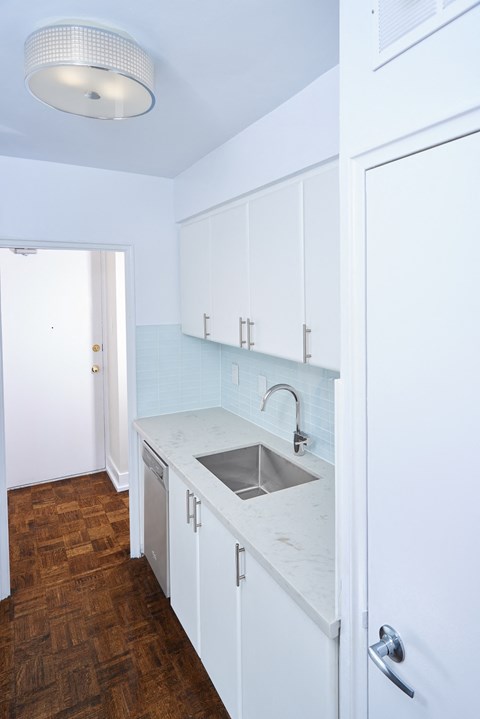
(234, 373)
(262, 385)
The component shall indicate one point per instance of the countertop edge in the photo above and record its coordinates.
(330, 627)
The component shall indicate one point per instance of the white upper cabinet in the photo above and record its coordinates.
(195, 285)
(229, 267)
(322, 267)
(276, 272)
(263, 273)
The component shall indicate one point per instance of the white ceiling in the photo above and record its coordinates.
(220, 65)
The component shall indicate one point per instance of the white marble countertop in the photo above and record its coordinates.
(291, 533)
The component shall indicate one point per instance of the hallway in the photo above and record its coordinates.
(87, 632)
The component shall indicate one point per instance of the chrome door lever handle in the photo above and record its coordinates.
(390, 645)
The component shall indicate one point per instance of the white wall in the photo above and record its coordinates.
(436, 79)
(400, 108)
(4, 544)
(51, 202)
(115, 344)
(300, 133)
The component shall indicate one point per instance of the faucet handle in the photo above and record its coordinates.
(300, 441)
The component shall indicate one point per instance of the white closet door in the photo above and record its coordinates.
(423, 421)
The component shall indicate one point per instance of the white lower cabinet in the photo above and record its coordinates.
(289, 667)
(266, 658)
(184, 550)
(219, 611)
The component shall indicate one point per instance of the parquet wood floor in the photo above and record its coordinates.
(87, 632)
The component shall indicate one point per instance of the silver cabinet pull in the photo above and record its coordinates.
(238, 576)
(306, 355)
(196, 523)
(390, 645)
(241, 341)
(250, 324)
(205, 333)
(188, 496)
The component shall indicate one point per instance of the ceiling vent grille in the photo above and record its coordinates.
(399, 24)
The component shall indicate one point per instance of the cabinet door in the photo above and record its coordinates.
(195, 279)
(230, 300)
(184, 560)
(289, 667)
(276, 272)
(219, 610)
(322, 267)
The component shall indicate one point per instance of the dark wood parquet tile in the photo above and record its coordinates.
(87, 632)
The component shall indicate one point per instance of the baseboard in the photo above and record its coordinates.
(120, 480)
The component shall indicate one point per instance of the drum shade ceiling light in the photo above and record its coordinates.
(89, 71)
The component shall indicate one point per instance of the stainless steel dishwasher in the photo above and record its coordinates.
(156, 516)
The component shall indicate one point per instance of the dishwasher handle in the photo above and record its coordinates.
(155, 464)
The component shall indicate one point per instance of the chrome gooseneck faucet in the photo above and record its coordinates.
(299, 438)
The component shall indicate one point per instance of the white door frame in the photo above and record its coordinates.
(351, 473)
(131, 400)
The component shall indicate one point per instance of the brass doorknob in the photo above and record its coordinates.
(95, 368)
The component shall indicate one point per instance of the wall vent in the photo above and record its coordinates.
(399, 17)
(399, 24)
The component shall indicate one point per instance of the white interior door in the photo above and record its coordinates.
(423, 423)
(51, 318)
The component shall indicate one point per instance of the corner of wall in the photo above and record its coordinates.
(300, 133)
(120, 480)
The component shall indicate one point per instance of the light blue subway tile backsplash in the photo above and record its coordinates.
(176, 372)
(314, 385)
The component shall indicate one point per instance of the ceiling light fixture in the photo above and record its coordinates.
(89, 71)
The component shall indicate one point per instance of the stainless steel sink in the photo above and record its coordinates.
(255, 470)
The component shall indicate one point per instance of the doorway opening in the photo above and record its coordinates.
(68, 380)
